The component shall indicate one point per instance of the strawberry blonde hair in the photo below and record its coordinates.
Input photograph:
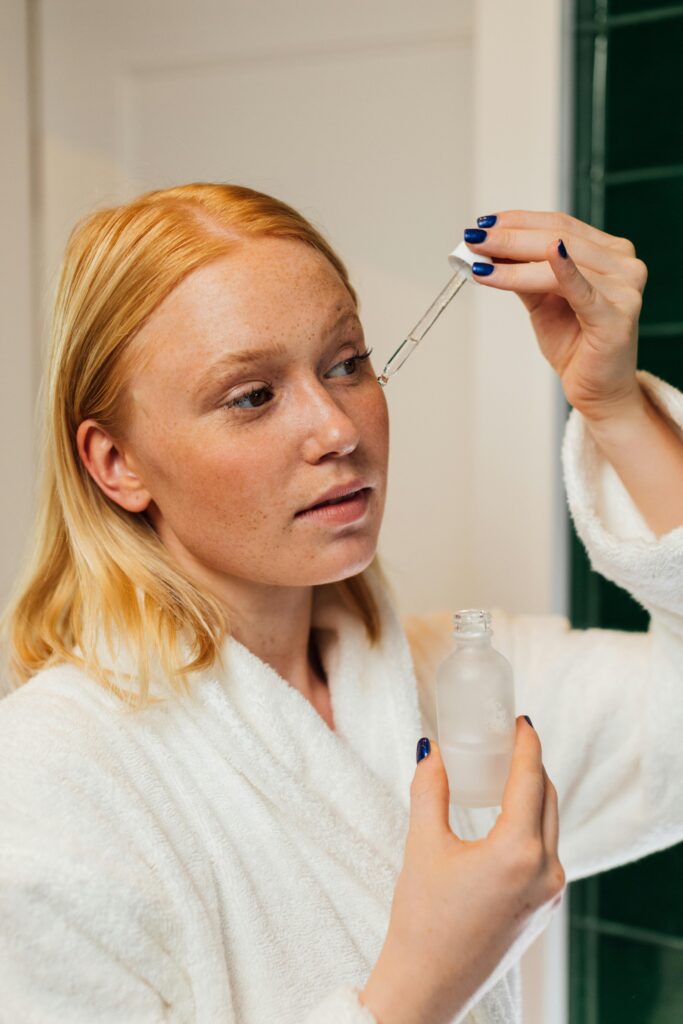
(94, 565)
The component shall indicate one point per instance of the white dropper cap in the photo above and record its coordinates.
(462, 258)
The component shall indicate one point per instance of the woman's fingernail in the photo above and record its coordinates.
(423, 748)
(488, 221)
(562, 251)
(529, 721)
(482, 269)
(475, 235)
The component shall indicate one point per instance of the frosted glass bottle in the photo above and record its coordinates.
(475, 710)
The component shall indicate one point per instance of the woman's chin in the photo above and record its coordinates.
(333, 571)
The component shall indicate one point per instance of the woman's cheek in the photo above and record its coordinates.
(378, 427)
(247, 481)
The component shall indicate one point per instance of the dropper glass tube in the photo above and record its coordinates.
(408, 346)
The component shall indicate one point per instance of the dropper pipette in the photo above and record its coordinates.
(461, 258)
(422, 326)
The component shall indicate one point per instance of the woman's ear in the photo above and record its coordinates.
(109, 467)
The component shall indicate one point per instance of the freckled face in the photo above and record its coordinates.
(230, 452)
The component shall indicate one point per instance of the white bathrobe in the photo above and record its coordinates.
(228, 859)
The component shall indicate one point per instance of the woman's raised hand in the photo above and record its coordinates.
(584, 305)
(460, 904)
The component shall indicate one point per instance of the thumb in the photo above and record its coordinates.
(429, 793)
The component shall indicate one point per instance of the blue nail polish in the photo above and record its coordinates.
(488, 221)
(562, 251)
(423, 748)
(482, 269)
(475, 235)
(529, 721)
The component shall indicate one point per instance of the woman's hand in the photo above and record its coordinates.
(584, 307)
(459, 905)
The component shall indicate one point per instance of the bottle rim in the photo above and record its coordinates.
(472, 622)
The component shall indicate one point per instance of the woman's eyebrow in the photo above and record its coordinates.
(240, 360)
(250, 357)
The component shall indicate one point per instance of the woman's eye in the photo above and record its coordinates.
(351, 364)
(257, 397)
(261, 396)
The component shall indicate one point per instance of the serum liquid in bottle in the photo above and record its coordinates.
(475, 710)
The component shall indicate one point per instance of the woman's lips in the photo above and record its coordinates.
(347, 510)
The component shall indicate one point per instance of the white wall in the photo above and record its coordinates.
(519, 157)
(17, 393)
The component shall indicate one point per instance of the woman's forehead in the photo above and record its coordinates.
(270, 291)
(261, 278)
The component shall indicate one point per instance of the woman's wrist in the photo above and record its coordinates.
(394, 994)
(606, 416)
(647, 454)
(614, 427)
(381, 997)
(386, 994)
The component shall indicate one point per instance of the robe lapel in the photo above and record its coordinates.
(348, 788)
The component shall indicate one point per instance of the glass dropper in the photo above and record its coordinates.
(422, 326)
(461, 259)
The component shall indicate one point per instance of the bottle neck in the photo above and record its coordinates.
(472, 639)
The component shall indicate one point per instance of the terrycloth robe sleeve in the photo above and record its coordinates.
(85, 933)
(607, 704)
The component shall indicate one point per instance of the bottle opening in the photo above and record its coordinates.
(472, 622)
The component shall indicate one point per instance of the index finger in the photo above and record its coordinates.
(522, 803)
(556, 222)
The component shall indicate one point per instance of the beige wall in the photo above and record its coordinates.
(17, 392)
(519, 157)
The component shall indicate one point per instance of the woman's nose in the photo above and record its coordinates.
(328, 429)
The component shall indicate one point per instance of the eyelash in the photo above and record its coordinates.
(232, 404)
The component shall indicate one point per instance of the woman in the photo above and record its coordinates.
(207, 796)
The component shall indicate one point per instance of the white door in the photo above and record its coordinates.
(356, 113)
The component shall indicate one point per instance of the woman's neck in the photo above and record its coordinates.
(274, 623)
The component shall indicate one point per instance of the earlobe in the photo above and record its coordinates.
(107, 464)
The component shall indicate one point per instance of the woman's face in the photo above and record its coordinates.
(247, 407)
